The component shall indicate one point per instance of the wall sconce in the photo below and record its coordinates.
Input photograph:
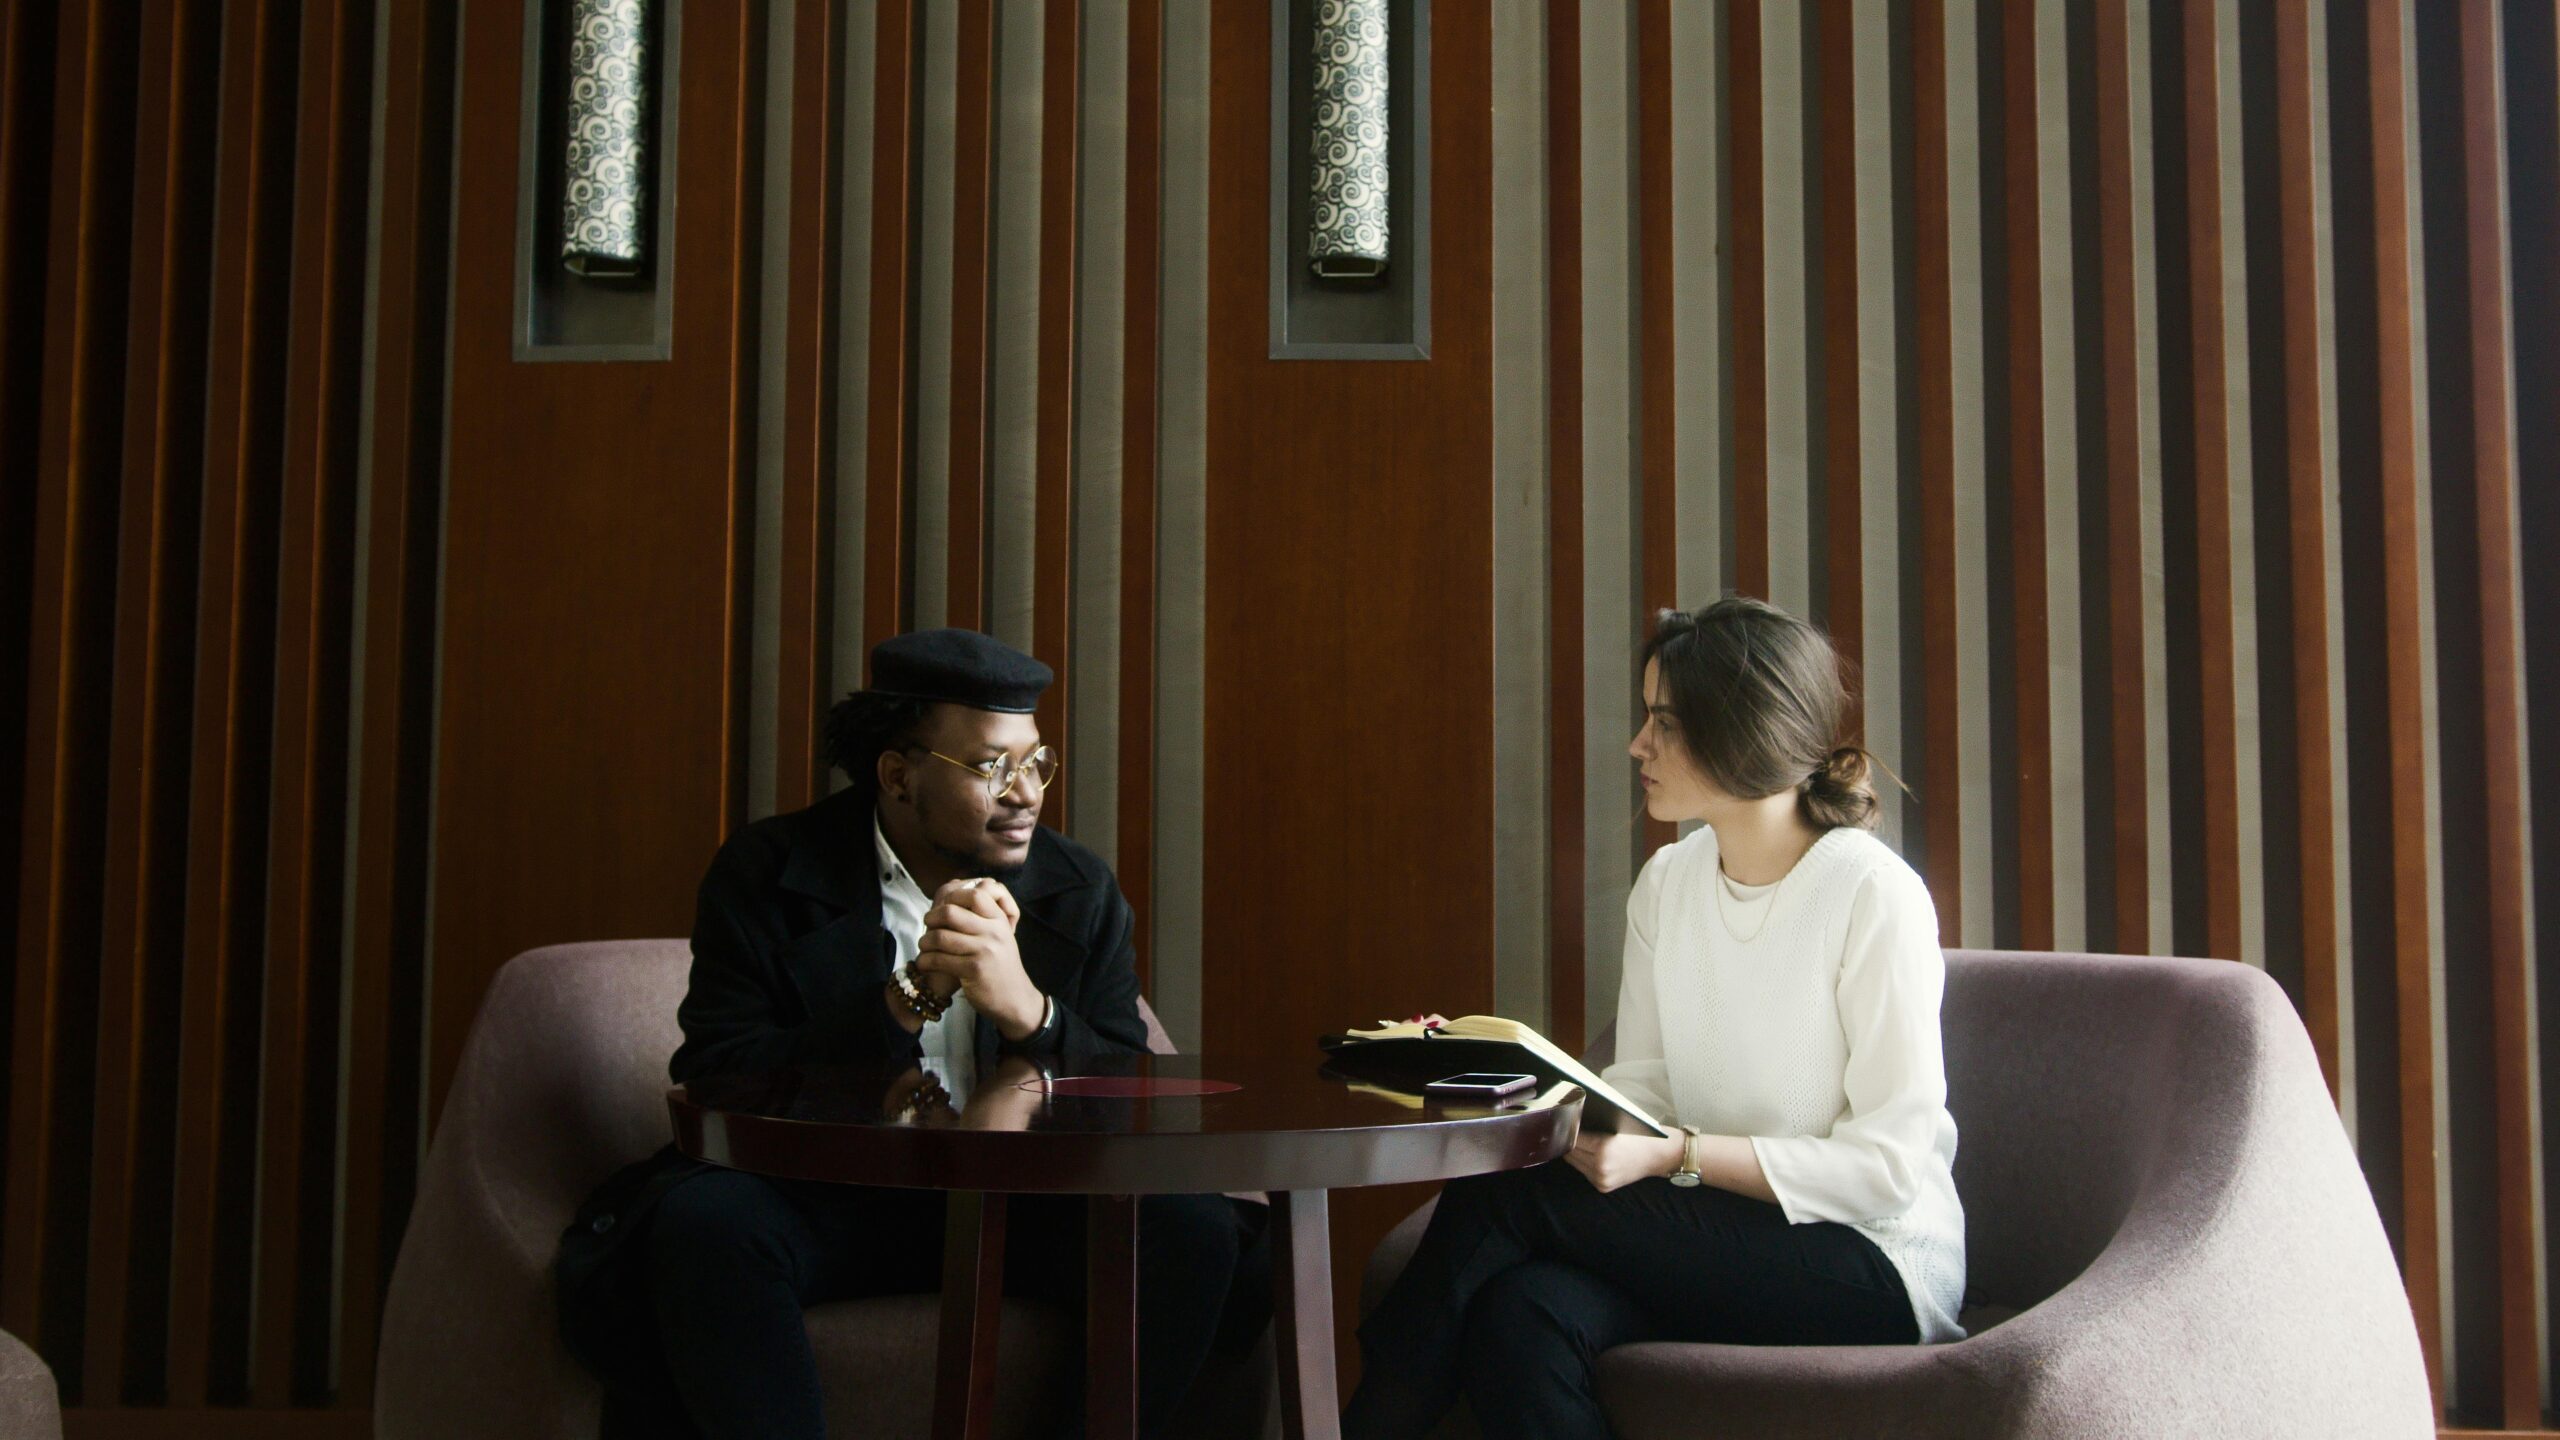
(1347, 233)
(606, 189)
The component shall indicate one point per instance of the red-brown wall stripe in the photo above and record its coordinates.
(2395, 324)
(2493, 485)
(226, 807)
(2029, 602)
(1933, 324)
(2126, 759)
(67, 675)
(2201, 52)
(147, 726)
(313, 601)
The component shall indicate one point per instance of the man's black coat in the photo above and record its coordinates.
(789, 963)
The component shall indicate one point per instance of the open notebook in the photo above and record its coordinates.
(1405, 1054)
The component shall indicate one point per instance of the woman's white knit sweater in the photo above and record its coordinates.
(1815, 1033)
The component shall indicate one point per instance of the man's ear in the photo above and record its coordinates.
(890, 771)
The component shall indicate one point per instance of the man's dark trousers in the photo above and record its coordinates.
(733, 1259)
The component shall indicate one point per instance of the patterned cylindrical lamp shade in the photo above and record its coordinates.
(606, 189)
(1347, 230)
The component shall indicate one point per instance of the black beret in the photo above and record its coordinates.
(960, 667)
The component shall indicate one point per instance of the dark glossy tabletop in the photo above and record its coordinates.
(1289, 1124)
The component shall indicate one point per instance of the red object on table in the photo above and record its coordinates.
(1282, 1126)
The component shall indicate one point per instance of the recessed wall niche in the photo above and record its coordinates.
(1388, 316)
(561, 314)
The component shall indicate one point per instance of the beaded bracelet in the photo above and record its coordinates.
(924, 1003)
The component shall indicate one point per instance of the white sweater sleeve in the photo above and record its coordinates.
(1639, 1071)
(1892, 975)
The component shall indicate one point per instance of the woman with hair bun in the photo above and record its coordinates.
(1778, 1006)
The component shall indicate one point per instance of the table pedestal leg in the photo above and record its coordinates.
(1302, 1269)
(1111, 1317)
(972, 1302)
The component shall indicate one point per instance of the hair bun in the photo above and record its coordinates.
(1839, 792)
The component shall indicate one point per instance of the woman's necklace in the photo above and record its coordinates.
(1771, 897)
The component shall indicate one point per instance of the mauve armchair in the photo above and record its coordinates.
(561, 1082)
(2167, 1235)
(30, 1407)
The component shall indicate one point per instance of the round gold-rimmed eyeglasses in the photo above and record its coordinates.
(1004, 772)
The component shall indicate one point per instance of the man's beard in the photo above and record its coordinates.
(973, 867)
(968, 864)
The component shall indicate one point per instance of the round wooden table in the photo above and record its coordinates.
(1113, 1130)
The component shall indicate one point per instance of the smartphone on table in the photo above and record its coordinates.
(1481, 1088)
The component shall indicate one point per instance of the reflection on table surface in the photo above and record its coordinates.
(1011, 1093)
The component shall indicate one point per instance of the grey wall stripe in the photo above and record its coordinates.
(1609, 594)
(2146, 343)
(1788, 347)
(932, 556)
(1093, 671)
(2247, 703)
(2343, 890)
(2062, 491)
(1970, 290)
(359, 607)
(2429, 729)
(1182, 520)
(773, 312)
(1700, 420)
(1013, 312)
(853, 344)
(1520, 607)
(1880, 456)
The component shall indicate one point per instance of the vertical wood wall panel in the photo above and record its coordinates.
(1053, 591)
(147, 725)
(2126, 752)
(68, 680)
(2175, 509)
(972, 278)
(1141, 347)
(1567, 1014)
(1936, 771)
(387, 977)
(888, 578)
(2396, 411)
(2307, 507)
(226, 803)
(1747, 237)
(2022, 175)
(806, 649)
(1657, 358)
(2492, 487)
(1833, 84)
(2201, 85)
(308, 811)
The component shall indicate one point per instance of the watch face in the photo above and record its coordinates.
(1684, 1179)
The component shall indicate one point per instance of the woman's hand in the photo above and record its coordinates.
(1611, 1161)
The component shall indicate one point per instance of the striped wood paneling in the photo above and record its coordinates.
(2238, 312)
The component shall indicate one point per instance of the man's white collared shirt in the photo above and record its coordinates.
(950, 1043)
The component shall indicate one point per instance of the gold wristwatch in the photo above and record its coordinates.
(1687, 1176)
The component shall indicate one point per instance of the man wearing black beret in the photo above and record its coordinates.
(922, 914)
